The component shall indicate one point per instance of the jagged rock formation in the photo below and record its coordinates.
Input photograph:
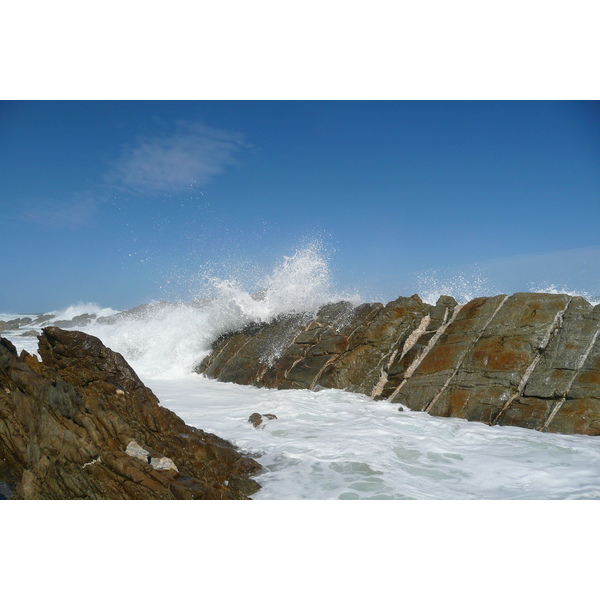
(15, 324)
(81, 424)
(530, 360)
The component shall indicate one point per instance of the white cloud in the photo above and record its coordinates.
(191, 156)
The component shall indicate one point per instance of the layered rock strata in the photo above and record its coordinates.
(530, 360)
(82, 425)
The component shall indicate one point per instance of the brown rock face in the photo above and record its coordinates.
(81, 424)
(342, 347)
(530, 360)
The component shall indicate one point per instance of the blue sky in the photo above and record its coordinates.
(123, 202)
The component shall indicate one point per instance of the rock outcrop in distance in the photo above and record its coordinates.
(529, 360)
(82, 425)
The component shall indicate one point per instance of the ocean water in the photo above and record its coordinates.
(327, 444)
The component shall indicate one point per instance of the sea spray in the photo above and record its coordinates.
(169, 339)
(330, 443)
(466, 285)
(299, 284)
(82, 308)
(551, 288)
(463, 287)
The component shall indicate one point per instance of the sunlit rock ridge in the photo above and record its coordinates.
(529, 360)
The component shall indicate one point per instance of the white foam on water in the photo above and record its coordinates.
(334, 444)
(82, 308)
(159, 339)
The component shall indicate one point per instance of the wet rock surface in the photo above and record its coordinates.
(530, 360)
(257, 419)
(342, 347)
(82, 425)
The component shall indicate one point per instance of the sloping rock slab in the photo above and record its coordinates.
(66, 425)
(529, 360)
(341, 347)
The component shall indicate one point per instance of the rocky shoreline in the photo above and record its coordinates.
(528, 360)
(80, 424)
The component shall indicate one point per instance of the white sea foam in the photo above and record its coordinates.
(334, 444)
(82, 308)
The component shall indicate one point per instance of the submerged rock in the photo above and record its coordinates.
(71, 427)
(530, 359)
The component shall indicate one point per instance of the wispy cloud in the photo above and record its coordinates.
(190, 156)
(73, 214)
